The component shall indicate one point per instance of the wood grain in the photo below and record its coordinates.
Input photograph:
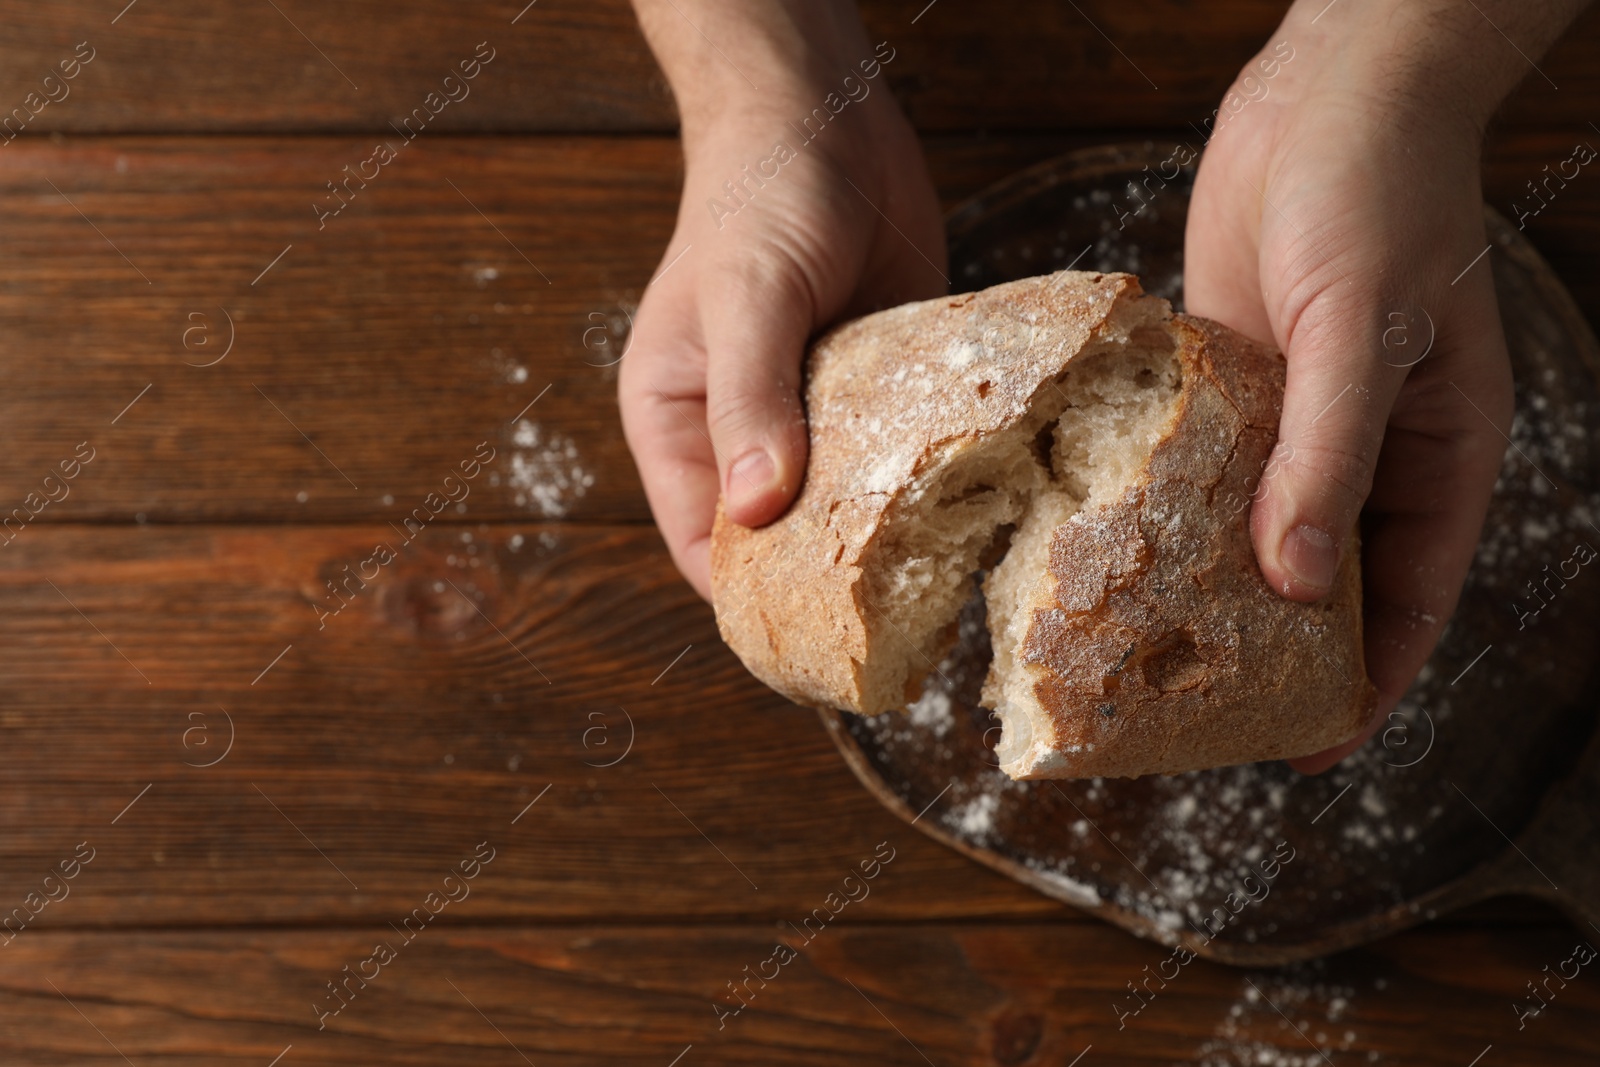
(410, 727)
(949, 994)
(567, 65)
(378, 352)
(194, 67)
(382, 748)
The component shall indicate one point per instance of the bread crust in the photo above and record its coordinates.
(1162, 648)
(888, 397)
(1157, 610)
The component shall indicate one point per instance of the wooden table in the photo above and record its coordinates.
(220, 798)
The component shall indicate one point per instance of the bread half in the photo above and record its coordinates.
(1095, 455)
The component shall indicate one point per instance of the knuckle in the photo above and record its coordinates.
(1331, 470)
(741, 410)
(753, 276)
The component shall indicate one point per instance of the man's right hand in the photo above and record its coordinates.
(831, 215)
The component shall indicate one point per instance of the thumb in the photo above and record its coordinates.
(1336, 403)
(756, 314)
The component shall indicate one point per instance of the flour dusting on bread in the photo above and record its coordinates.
(1077, 443)
(1120, 400)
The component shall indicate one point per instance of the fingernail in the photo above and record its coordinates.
(1311, 556)
(750, 475)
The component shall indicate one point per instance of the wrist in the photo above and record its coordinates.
(843, 111)
(1450, 63)
(728, 60)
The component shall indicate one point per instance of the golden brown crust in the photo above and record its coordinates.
(1162, 648)
(888, 397)
(1165, 650)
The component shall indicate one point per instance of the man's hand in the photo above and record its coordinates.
(1338, 213)
(805, 200)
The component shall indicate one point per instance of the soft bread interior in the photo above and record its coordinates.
(1122, 401)
(1086, 438)
(921, 571)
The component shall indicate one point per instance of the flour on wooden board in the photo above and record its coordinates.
(974, 819)
(546, 474)
(931, 712)
(507, 367)
(1290, 1017)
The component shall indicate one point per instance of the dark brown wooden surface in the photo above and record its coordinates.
(410, 727)
(947, 993)
(146, 611)
(186, 65)
(400, 335)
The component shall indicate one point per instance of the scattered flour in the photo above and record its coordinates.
(545, 471)
(963, 353)
(508, 368)
(1260, 1028)
(974, 820)
(931, 712)
(1080, 893)
(887, 473)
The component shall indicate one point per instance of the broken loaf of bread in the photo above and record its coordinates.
(1092, 456)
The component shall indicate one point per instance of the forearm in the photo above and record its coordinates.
(1464, 55)
(721, 55)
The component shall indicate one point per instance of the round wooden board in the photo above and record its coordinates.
(1487, 779)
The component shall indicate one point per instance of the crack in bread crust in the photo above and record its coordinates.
(1274, 678)
(926, 428)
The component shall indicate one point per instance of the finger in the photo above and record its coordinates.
(1425, 513)
(661, 393)
(1321, 761)
(1336, 394)
(1336, 400)
(756, 311)
(669, 443)
(1221, 280)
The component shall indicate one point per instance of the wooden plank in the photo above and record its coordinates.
(569, 65)
(416, 722)
(948, 994)
(174, 701)
(397, 337)
(373, 356)
(370, 358)
(371, 755)
(298, 66)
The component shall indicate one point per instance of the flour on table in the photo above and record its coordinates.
(505, 366)
(545, 470)
(1260, 1029)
